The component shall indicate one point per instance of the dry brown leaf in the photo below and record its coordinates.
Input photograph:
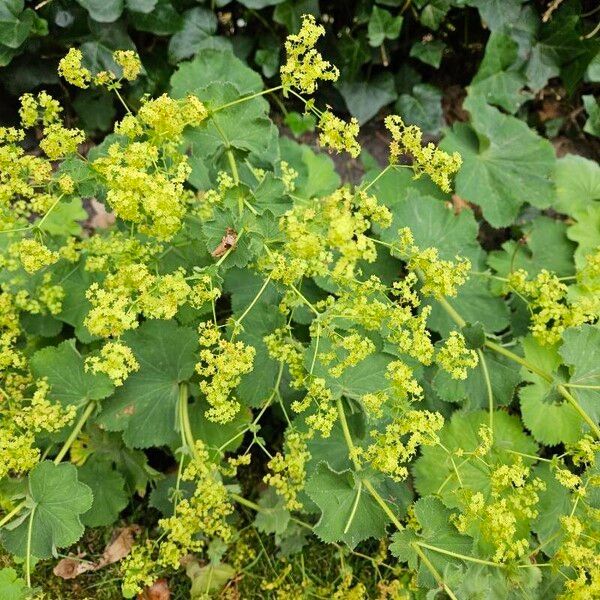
(69, 568)
(159, 590)
(228, 241)
(118, 548)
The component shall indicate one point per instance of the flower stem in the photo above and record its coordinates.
(89, 409)
(246, 98)
(433, 571)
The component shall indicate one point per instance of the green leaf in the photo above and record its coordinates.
(497, 81)
(423, 107)
(364, 98)
(473, 392)
(497, 13)
(429, 52)
(274, 517)
(211, 65)
(474, 335)
(505, 163)
(547, 248)
(544, 411)
(436, 530)
(316, 172)
(290, 13)
(108, 489)
(15, 23)
(300, 123)
(258, 4)
(103, 11)
(199, 25)
(257, 137)
(70, 383)
(592, 107)
(433, 13)
(435, 467)
(348, 511)
(142, 6)
(58, 500)
(382, 26)
(209, 578)
(144, 407)
(65, 219)
(162, 20)
(96, 109)
(581, 352)
(586, 232)
(577, 183)
(12, 587)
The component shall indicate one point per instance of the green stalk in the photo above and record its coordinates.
(246, 98)
(89, 409)
(433, 571)
(28, 555)
(488, 386)
(16, 510)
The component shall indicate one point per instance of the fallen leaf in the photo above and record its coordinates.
(228, 241)
(118, 548)
(159, 590)
(101, 218)
(69, 568)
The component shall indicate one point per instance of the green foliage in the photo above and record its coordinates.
(207, 331)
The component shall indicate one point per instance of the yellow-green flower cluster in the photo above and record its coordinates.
(392, 449)
(455, 358)
(165, 117)
(42, 107)
(33, 254)
(116, 360)
(324, 416)
(59, 142)
(139, 191)
(439, 277)
(138, 569)
(200, 518)
(356, 348)
(337, 134)
(72, 70)
(283, 347)
(513, 501)
(305, 65)
(579, 551)
(551, 309)
(288, 470)
(221, 366)
(428, 159)
(130, 62)
(130, 291)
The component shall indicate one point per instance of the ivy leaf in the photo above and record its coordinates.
(422, 107)
(435, 468)
(103, 11)
(15, 23)
(577, 184)
(58, 500)
(429, 53)
(70, 383)
(496, 13)
(497, 81)
(433, 13)
(144, 407)
(162, 20)
(364, 98)
(348, 511)
(581, 352)
(108, 489)
(199, 25)
(504, 163)
(12, 587)
(382, 26)
(214, 65)
(436, 530)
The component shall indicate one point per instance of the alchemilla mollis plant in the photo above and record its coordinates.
(346, 362)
